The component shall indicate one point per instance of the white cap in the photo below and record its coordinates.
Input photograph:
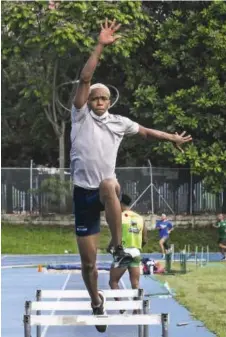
(99, 86)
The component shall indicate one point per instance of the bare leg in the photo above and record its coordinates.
(109, 196)
(134, 274)
(161, 243)
(115, 275)
(222, 249)
(88, 250)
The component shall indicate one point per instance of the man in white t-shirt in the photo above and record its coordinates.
(95, 138)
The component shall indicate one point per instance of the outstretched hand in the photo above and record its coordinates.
(181, 139)
(107, 32)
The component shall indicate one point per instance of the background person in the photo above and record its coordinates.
(164, 227)
(221, 226)
(134, 237)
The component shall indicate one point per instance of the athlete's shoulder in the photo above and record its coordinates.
(135, 214)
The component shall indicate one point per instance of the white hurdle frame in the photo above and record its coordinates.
(142, 320)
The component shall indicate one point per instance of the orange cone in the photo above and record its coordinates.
(39, 268)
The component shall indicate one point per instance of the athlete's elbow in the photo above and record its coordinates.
(143, 132)
(85, 78)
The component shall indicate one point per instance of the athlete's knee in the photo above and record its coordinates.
(166, 245)
(88, 266)
(135, 284)
(113, 284)
(108, 189)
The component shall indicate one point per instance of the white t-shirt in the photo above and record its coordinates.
(94, 145)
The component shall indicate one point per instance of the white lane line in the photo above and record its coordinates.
(53, 311)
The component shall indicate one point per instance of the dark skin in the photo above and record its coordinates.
(99, 101)
(134, 272)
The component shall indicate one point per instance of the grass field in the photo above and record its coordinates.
(203, 292)
(40, 239)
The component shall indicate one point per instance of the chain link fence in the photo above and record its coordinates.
(153, 190)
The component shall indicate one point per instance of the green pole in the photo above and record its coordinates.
(183, 268)
(168, 262)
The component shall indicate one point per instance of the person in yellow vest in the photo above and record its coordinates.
(134, 237)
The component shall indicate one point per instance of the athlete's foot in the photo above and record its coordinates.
(223, 258)
(121, 258)
(100, 310)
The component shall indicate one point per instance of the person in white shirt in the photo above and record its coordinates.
(95, 138)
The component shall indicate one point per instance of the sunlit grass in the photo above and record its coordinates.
(51, 239)
(203, 292)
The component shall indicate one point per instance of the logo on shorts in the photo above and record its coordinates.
(81, 229)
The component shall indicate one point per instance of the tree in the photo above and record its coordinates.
(54, 41)
(182, 86)
(25, 134)
(54, 44)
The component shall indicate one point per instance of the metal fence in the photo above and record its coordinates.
(153, 190)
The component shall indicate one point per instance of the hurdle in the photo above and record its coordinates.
(204, 256)
(182, 261)
(34, 317)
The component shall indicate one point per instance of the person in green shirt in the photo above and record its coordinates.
(221, 226)
(134, 237)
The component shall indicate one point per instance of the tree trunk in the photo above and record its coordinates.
(62, 166)
(224, 201)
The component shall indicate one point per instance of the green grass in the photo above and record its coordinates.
(203, 292)
(44, 239)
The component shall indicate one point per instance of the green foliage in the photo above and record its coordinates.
(185, 88)
(48, 47)
(53, 190)
(169, 66)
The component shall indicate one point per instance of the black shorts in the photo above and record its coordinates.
(87, 208)
(222, 241)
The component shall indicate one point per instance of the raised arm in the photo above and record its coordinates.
(106, 37)
(178, 140)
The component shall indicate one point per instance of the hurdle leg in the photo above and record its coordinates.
(140, 327)
(168, 262)
(146, 305)
(38, 312)
(27, 326)
(165, 325)
(183, 263)
(202, 257)
(207, 254)
(27, 307)
(196, 256)
(172, 251)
